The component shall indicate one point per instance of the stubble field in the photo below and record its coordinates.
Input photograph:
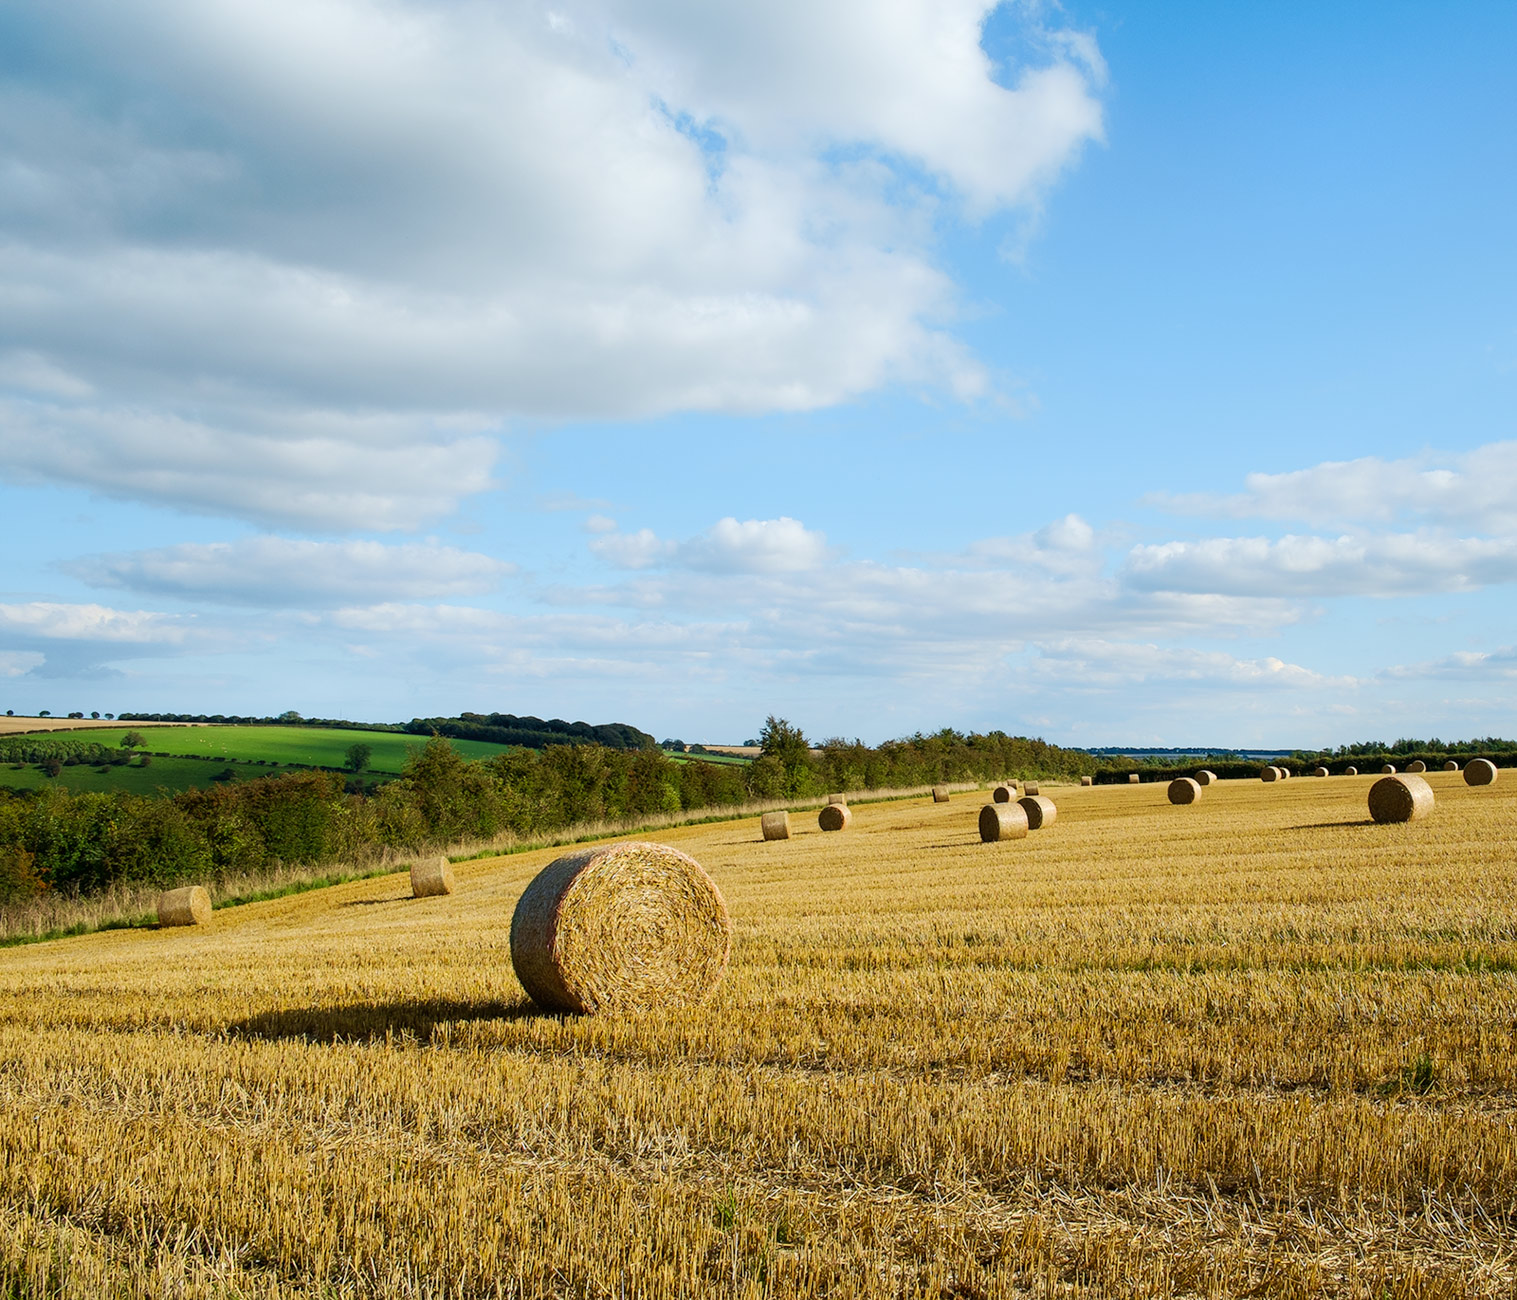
(1256, 1045)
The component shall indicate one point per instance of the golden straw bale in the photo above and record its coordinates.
(1416, 765)
(1184, 789)
(1451, 766)
(1270, 774)
(775, 825)
(1205, 776)
(940, 794)
(1087, 780)
(835, 817)
(1388, 770)
(1040, 811)
(1133, 778)
(1400, 799)
(1003, 794)
(1029, 787)
(837, 798)
(1002, 821)
(1285, 774)
(1322, 771)
(430, 878)
(627, 926)
(1351, 771)
(188, 906)
(1480, 771)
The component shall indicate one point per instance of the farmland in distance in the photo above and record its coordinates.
(1255, 1045)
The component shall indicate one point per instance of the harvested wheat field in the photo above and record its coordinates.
(1258, 1046)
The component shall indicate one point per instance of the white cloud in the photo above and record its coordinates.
(246, 231)
(1492, 667)
(38, 621)
(1474, 491)
(729, 546)
(15, 663)
(1100, 664)
(279, 572)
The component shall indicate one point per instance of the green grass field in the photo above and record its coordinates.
(171, 774)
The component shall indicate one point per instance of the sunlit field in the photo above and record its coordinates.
(1256, 1045)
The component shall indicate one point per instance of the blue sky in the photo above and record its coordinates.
(1116, 373)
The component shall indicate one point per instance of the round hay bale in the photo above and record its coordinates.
(626, 926)
(190, 905)
(1205, 776)
(1029, 787)
(940, 794)
(1040, 811)
(1087, 780)
(1451, 766)
(775, 825)
(837, 798)
(1133, 778)
(1351, 771)
(1184, 789)
(1002, 821)
(1270, 774)
(1480, 771)
(1400, 799)
(835, 817)
(1416, 765)
(1003, 794)
(1285, 774)
(1388, 770)
(1322, 771)
(430, 878)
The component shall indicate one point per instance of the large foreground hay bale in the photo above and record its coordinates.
(1040, 811)
(1029, 787)
(1322, 771)
(430, 878)
(1004, 794)
(1002, 821)
(1087, 780)
(1416, 765)
(1133, 778)
(1204, 777)
(835, 817)
(1388, 770)
(1184, 789)
(1270, 774)
(837, 798)
(1480, 771)
(1451, 766)
(775, 825)
(188, 906)
(1351, 771)
(940, 794)
(1400, 799)
(629, 926)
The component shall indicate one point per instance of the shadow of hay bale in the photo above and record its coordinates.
(367, 1022)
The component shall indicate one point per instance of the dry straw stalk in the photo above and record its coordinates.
(1002, 821)
(626, 926)
(190, 905)
(775, 825)
(1184, 789)
(1480, 771)
(431, 878)
(1040, 811)
(1400, 799)
(835, 817)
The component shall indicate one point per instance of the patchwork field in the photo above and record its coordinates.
(1253, 1046)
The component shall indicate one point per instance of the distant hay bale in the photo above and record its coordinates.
(1400, 799)
(1388, 770)
(1270, 774)
(625, 926)
(1480, 771)
(1416, 765)
(775, 825)
(1087, 780)
(837, 798)
(1184, 789)
(835, 817)
(1029, 787)
(1002, 821)
(190, 905)
(1040, 811)
(1133, 778)
(1321, 771)
(940, 794)
(1451, 766)
(1205, 776)
(430, 878)
(1004, 794)
(1351, 771)
(1285, 774)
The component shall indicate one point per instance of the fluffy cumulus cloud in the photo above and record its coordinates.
(280, 572)
(730, 546)
(339, 243)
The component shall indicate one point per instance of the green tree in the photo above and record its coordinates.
(788, 746)
(357, 757)
(132, 740)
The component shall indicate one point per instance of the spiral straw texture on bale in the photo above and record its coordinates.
(940, 794)
(1400, 799)
(1002, 821)
(431, 878)
(1184, 789)
(188, 906)
(1205, 776)
(624, 926)
(1416, 765)
(775, 825)
(1040, 811)
(1004, 794)
(835, 817)
(1480, 771)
